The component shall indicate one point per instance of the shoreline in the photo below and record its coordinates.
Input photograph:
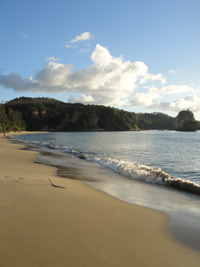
(77, 225)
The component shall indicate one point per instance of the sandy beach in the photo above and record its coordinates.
(74, 225)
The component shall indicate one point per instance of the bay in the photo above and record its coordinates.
(154, 169)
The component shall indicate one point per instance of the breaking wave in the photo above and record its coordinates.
(128, 169)
(148, 174)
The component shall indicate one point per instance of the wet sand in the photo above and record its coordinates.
(43, 225)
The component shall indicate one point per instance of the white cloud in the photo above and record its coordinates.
(82, 37)
(191, 102)
(151, 78)
(101, 56)
(153, 102)
(173, 89)
(157, 99)
(53, 76)
(180, 104)
(83, 99)
(109, 81)
(52, 59)
(145, 99)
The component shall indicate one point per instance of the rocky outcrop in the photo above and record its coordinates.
(185, 121)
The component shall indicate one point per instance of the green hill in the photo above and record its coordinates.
(53, 115)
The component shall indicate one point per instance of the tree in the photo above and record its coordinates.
(16, 121)
(10, 121)
(4, 122)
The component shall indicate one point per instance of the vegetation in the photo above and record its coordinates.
(4, 122)
(182, 114)
(156, 121)
(185, 121)
(10, 120)
(53, 115)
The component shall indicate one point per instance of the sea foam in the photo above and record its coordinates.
(129, 169)
(146, 173)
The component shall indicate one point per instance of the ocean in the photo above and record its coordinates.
(154, 169)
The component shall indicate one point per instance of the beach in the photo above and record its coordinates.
(72, 224)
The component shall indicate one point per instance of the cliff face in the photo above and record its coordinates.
(185, 121)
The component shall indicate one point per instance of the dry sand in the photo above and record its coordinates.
(41, 225)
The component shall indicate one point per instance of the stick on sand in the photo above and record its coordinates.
(55, 185)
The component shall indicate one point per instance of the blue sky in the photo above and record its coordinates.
(142, 56)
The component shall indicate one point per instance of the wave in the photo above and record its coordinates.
(128, 169)
(148, 174)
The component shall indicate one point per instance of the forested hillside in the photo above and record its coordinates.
(52, 115)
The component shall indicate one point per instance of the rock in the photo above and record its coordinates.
(82, 157)
(185, 121)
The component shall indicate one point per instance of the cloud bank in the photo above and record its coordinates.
(109, 81)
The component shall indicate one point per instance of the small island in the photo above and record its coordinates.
(185, 121)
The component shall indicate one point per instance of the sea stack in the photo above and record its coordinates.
(185, 121)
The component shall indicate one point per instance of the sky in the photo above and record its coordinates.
(136, 55)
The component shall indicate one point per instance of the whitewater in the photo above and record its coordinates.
(155, 169)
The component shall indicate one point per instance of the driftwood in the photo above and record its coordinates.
(55, 185)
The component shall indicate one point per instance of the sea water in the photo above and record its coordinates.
(154, 169)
